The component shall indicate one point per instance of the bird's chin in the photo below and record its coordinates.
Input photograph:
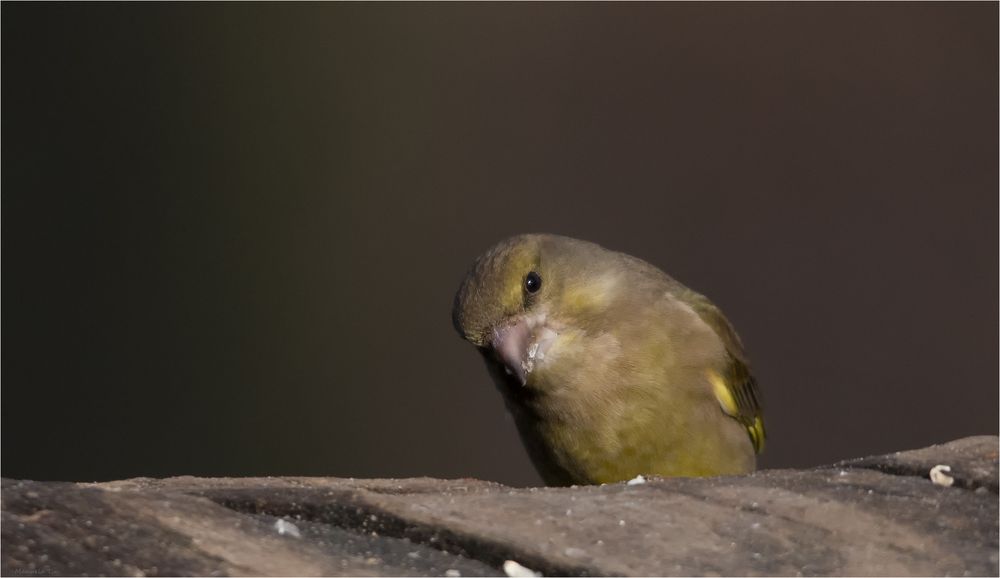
(520, 346)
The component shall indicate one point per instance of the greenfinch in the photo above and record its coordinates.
(610, 368)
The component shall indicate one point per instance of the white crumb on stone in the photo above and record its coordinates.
(636, 481)
(939, 477)
(452, 573)
(515, 570)
(283, 527)
(621, 522)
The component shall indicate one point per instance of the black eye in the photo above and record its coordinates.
(532, 282)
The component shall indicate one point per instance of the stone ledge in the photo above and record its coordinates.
(871, 516)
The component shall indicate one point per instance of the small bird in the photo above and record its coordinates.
(610, 368)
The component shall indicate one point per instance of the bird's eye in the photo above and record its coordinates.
(532, 282)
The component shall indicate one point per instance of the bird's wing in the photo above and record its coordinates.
(735, 387)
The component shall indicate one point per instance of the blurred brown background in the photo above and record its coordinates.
(232, 233)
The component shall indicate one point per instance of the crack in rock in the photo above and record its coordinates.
(359, 516)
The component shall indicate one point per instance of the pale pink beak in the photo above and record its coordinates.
(510, 343)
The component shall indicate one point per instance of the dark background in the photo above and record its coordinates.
(232, 233)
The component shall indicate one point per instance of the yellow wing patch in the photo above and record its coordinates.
(753, 422)
(757, 434)
(722, 393)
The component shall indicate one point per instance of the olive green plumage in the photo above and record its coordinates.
(610, 367)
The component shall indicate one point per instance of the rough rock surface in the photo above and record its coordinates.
(873, 516)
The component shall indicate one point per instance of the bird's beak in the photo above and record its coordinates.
(510, 344)
(521, 344)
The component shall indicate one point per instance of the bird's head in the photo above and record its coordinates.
(524, 291)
